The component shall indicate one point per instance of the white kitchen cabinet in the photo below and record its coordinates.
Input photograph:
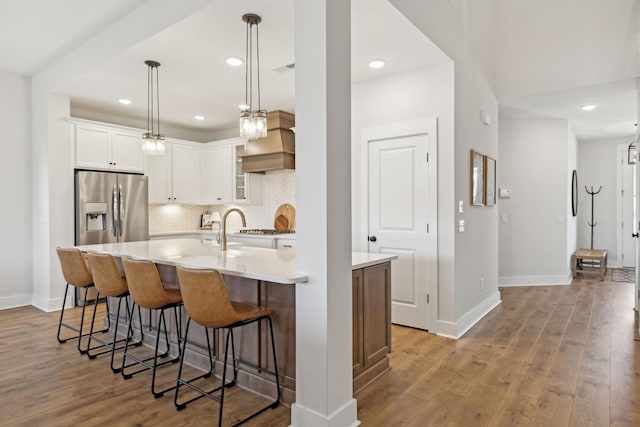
(247, 187)
(175, 177)
(102, 147)
(216, 174)
(158, 169)
(186, 174)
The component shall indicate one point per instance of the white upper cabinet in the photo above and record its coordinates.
(107, 148)
(158, 169)
(186, 174)
(222, 179)
(126, 151)
(216, 174)
(175, 177)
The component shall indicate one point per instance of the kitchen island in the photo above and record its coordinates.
(268, 277)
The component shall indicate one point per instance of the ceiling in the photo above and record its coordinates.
(194, 78)
(615, 116)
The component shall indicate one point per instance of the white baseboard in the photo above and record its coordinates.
(50, 304)
(14, 301)
(506, 281)
(466, 322)
(302, 416)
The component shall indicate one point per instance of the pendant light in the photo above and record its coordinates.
(152, 139)
(632, 153)
(253, 123)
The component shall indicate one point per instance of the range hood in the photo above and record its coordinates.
(277, 150)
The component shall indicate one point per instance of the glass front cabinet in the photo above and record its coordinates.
(247, 187)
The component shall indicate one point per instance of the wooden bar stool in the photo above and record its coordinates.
(207, 303)
(109, 283)
(147, 291)
(77, 274)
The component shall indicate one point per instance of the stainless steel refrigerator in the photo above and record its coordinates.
(110, 207)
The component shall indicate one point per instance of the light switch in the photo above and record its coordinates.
(460, 206)
(504, 218)
(461, 226)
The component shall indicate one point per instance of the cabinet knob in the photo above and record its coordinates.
(372, 238)
(219, 198)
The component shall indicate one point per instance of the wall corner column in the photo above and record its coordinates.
(324, 371)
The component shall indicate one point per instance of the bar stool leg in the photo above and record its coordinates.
(180, 382)
(64, 302)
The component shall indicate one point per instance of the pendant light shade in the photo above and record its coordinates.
(253, 122)
(152, 140)
(632, 153)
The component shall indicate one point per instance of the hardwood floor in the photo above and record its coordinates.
(547, 356)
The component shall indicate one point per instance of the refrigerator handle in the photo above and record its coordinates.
(121, 204)
(114, 211)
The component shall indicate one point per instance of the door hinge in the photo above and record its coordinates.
(427, 228)
(428, 297)
(427, 157)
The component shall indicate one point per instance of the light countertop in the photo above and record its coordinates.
(273, 265)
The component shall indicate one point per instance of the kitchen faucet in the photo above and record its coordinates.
(224, 225)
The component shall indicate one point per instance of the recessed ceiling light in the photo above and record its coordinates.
(124, 101)
(243, 107)
(589, 107)
(198, 117)
(234, 61)
(376, 63)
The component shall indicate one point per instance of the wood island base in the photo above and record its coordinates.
(371, 330)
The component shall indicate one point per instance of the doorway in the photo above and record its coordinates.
(400, 163)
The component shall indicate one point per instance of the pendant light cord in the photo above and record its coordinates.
(158, 99)
(258, 64)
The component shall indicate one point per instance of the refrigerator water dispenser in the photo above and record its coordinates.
(96, 216)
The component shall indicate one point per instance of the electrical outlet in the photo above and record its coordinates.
(482, 284)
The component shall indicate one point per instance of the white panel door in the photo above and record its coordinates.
(401, 198)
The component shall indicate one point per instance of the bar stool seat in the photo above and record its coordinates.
(77, 274)
(110, 284)
(147, 291)
(207, 303)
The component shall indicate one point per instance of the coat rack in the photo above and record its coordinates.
(591, 223)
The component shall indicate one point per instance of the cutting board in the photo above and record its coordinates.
(285, 218)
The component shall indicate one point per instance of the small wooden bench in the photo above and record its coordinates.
(593, 258)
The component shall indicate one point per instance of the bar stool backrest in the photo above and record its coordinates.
(144, 283)
(74, 267)
(205, 297)
(106, 275)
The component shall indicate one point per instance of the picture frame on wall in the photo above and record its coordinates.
(477, 178)
(490, 181)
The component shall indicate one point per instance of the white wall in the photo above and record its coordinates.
(15, 183)
(472, 255)
(597, 167)
(427, 92)
(535, 164)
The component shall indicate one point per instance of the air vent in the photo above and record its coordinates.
(285, 68)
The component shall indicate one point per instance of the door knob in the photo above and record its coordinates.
(634, 235)
(372, 238)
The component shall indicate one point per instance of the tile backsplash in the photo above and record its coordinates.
(175, 217)
(279, 188)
